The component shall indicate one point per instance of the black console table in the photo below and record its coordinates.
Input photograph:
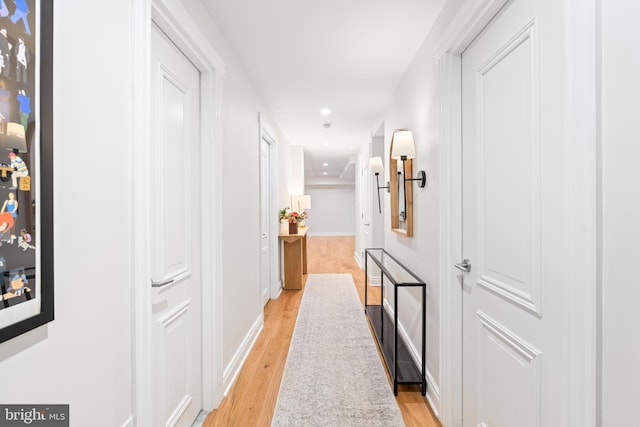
(396, 353)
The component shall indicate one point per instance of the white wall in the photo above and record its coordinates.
(415, 106)
(332, 211)
(284, 174)
(296, 180)
(242, 306)
(620, 234)
(83, 357)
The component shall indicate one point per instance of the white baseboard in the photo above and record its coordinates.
(279, 292)
(129, 422)
(358, 260)
(433, 390)
(375, 281)
(232, 370)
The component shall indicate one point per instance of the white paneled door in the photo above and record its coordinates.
(365, 206)
(265, 216)
(175, 238)
(514, 330)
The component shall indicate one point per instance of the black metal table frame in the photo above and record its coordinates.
(419, 283)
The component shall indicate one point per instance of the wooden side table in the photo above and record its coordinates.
(295, 257)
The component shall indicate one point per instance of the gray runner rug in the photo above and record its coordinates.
(333, 375)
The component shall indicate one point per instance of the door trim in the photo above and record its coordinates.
(581, 113)
(268, 134)
(176, 22)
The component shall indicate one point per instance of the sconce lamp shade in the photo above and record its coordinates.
(403, 145)
(375, 165)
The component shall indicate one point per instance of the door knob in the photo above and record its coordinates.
(464, 266)
(161, 284)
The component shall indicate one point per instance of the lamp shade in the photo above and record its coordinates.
(305, 202)
(375, 165)
(300, 202)
(403, 145)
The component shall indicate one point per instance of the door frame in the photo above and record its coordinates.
(268, 134)
(178, 25)
(581, 132)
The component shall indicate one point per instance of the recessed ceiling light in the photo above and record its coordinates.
(325, 145)
(325, 173)
(325, 111)
(325, 164)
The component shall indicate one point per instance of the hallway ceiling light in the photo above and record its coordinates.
(325, 111)
(325, 164)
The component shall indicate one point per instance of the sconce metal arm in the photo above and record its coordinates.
(422, 177)
(379, 188)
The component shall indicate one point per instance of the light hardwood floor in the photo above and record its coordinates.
(252, 399)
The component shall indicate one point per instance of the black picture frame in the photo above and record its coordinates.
(41, 136)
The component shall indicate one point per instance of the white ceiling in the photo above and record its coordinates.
(346, 55)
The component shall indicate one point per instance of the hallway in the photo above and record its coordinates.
(252, 398)
(583, 120)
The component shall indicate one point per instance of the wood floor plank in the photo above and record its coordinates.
(252, 399)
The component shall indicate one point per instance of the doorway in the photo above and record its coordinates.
(159, 266)
(266, 218)
(270, 285)
(514, 197)
(175, 240)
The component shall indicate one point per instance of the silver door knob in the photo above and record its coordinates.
(464, 266)
(161, 284)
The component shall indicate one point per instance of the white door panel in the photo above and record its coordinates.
(508, 162)
(175, 243)
(506, 360)
(173, 221)
(508, 134)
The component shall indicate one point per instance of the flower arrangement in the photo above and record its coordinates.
(292, 217)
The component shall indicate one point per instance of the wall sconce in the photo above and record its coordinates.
(376, 168)
(404, 149)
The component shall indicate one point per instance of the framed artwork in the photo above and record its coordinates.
(26, 166)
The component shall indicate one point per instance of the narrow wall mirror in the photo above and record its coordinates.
(401, 195)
